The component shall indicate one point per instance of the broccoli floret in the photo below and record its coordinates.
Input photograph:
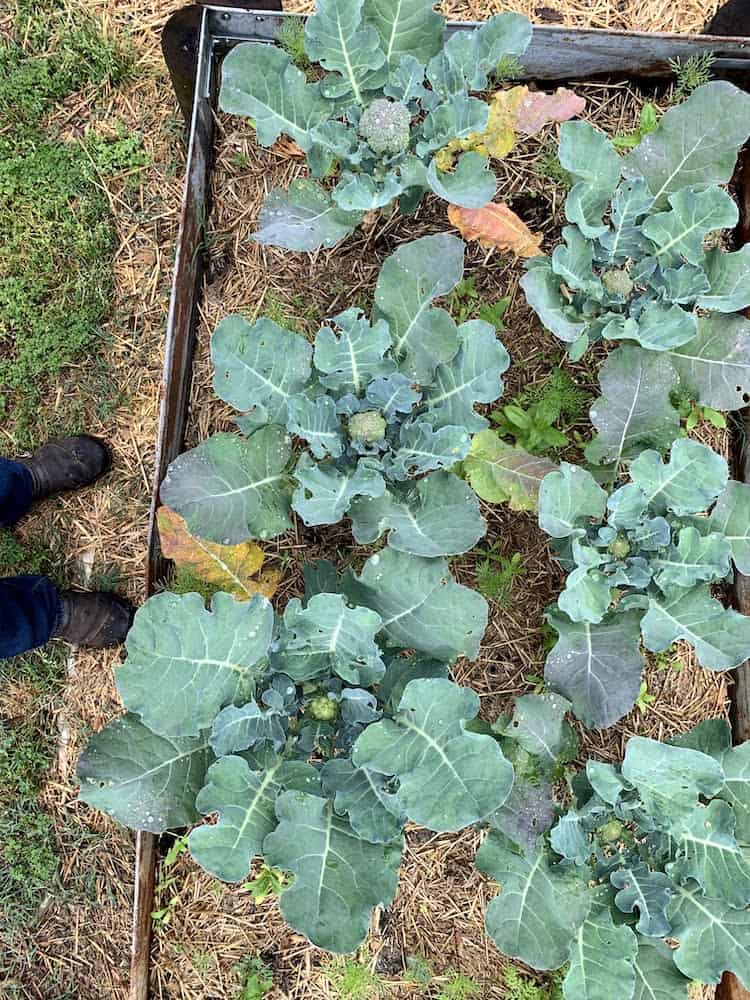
(368, 426)
(385, 126)
(617, 281)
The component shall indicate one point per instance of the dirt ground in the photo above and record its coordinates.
(80, 948)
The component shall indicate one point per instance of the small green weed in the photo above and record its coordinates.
(509, 68)
(268, 882)
(521, 988)
(291, 38)
(459, 987)
(467, 302)
(644, 701)
(497, 575)
(530, 419)
(354, 981)
(691, 74)
(162, 916)
(418, 970)
(185, 582)
(694, 414)
(668, 659)
(547, 167)
(648, 122)
(256, 980)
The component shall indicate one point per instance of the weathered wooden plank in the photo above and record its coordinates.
(555, 53)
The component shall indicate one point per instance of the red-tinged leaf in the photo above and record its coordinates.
(537, 109)
(495, 225)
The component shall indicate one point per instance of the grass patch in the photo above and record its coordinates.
(56, 236)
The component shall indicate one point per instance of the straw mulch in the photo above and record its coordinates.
(81, 948)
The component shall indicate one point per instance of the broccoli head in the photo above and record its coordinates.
(367, 426)
(385, 126)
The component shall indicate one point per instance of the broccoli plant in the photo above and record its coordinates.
(386, 407)
(641, 560)
(309, 736)
(656, 850)
(644, 275)
(394, 90)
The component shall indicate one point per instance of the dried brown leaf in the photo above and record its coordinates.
(496, 225)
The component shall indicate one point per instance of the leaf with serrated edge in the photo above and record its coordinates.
(260, 81)
(714, 367)
(437, 516)
(421, 605)
(184, 663)
(324, 490)
(688, 483)
(537, 109)
(406, 27)
(145, 781)
(679, 232)
(354, 354)
(721, 636)
(568, 498)
(601, 960)
(695, 143)
(695, 557)
(729, 280)
(316, 421)
(540, 907)
(336, 38)
(707, 851)
(656, 977)
(645, 892)
(597, 667)
(587, 154)
(423, 449)
(736, 790)
(500, 472)
(634, 409)
(447, 777)
(235, 569)
(239, 728)
(409, 280)
(365, 796)
(339, 878)
(259, 364)
(231, 489)
(713, 936)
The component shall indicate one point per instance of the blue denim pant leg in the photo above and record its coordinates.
(30, 609)
(16, 492)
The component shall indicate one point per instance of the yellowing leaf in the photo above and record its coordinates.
(536, 109)
(233, 568)
(495, 225)
(500, 135)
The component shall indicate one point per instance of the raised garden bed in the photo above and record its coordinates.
(447, 897)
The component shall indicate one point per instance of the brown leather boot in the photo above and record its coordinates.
(67, 464)
(94, 619)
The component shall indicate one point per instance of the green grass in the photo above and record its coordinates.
(459, 987)
(255, 978)
(353, 981)
(521, 988)
(56, 236)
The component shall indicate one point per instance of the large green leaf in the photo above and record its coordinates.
(588, 155)
(448, 777)
(259, 365)
(325, 490)
(363, 193)
(669, 779)
(145, 781)
(713, 936)
(736, 790)
(406, 28)
(714, 367)
(304, 217)
(373, 809)
(421, 605)
(660, 327)
(541, 287)
(679, 232)
(327, 637)
(688, 483)
(453, 118)
(472, 376)
(353, 355)
(645, 892)
(540, 907)
(707, 851)
(695, 143)
(261, 82)
(472, 184)
(526, 815)
(436, 516)
(500, 472)
(336, 38)
(538, 725)
(729, 280)
(475, 54)
(241, 727)
(634, 410)
(597, 667)
(721, 636)
(601, 960)
(316, 421)
(402, 669)
(656, 977)
(568, 498)
(694, 558)
(184, 662)
(338, 877)
(244, 800)
(630, 202)
(230, 490)
(409, 280)
(423, 449)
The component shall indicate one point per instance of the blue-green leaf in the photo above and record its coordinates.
(694, 213)
(714, 367)
(471, 184)
(601, 960)
(422, 449)
(590, 157)
(406, 28)
(707, 851)
(541, 287)
(695, 557)
(336, 38)
(241, 728)
(688, 483)
(568, 499)
(316, 421)
(374, 811)
(325, 490)
(304, 217)
(354, 354)
(646, 892)
(728, 279)
(713, 936)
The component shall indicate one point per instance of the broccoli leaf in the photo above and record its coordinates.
(713, 936)
(325, 490)
(374, 811)
(336, 38)
(354, 355)
(592, 160)
(500, 472)
(304, 217)
(714, 367)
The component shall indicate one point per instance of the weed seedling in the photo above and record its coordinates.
(691, 74)
(268, 882)
(647, 125)
(644, 700)
(459, 987)
(497, 575)
(354, 981)
(291, 38)
(521, 988)
(256, 980)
